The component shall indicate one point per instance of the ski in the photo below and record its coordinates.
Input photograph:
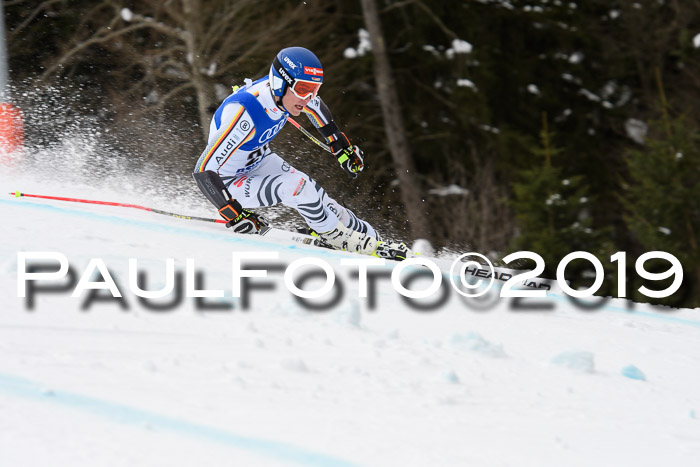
(296, 237)
(473, 273)
(476, 273)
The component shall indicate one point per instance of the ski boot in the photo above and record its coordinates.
(395, 251)
(312, 233)
(346, 239)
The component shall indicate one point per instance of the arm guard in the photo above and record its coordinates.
(321, 117)
(337, 139)
(210, 183)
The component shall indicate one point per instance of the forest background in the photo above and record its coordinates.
(498, 126)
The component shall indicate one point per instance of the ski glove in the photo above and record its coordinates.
(247, 222)
(351, 160)
(241, 220)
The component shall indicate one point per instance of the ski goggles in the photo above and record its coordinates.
(305, 89)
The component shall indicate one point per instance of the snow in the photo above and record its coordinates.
(488, 381)
(489, 128)
(501, 3)
(424, 246)
(576, 58)
(466, 83)
(589, 95)
(431, 49)
(632, 372)
(211, 70)
(570, 78)
(448, 190)
(476, 343)
(127, 15)
(554, 198)
(363, 47)
(221, 91)
(459, 46)
(576, 360)
(152, 98)
(636, 130)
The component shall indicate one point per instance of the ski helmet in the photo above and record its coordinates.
(297, 68)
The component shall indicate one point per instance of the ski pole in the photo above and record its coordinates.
(309, 135)
(123, 205)
(265, 230)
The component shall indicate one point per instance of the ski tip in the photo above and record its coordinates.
(16, 194)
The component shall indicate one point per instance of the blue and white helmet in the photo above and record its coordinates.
(295, 64)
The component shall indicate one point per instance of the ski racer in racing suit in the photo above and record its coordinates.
(238, 170)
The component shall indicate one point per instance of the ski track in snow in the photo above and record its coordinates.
(468, 384)
(121, 414)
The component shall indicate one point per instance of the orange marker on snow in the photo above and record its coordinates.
(11, 128)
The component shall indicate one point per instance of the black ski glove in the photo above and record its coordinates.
(349, 157)
(351, 160)
(241, 220)
(247, 222)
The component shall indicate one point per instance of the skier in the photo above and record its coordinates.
(238, 171)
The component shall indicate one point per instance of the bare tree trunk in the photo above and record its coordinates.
(393, 124)
(193, 38)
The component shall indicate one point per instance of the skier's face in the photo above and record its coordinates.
(293, 104)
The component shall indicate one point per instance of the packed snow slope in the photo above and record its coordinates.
(88, 381)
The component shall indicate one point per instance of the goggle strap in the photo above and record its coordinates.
(282, 72)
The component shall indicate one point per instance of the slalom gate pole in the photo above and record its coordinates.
(123, 205)
(309, 135)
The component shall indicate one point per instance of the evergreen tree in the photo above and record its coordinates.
(663, 198)
(552, 209)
